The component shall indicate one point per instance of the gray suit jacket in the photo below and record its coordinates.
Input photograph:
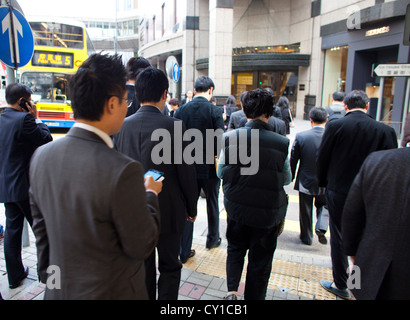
(305, 150)
(92, 217)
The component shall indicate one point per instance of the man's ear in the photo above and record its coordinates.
(110, 105)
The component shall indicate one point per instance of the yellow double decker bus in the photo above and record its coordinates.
(60, 47)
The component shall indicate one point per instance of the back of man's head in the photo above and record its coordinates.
(150, 85)
(357, 99)
(338, 96)
(134, 66)
(318, 115)
(99, 78)
(15, 91)
(258, 103)
(203, 84)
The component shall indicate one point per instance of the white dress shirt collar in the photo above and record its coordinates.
(105, 137)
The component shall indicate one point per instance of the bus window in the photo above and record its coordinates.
(57, 35)
(47, 86)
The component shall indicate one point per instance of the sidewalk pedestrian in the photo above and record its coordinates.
(202, 115)
(95, 218)
(179, 195)
(375, 227)
(21, 132)
(304, 152)
(255, 204)
(134, 66)
(345, 145)
(237, 116)
(337, 109)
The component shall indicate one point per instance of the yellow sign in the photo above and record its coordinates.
(377, 31)
(53, 59)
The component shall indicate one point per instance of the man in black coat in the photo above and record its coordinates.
(134, 66)
(375, 227)
(21, 132)
(179, 195)
(345, 145)
(304, 151)
(202, 115)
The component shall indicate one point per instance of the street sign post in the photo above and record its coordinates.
(392, 70)
(16, 38)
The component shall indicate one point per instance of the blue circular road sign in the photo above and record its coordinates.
(176, 72)
(19, 52)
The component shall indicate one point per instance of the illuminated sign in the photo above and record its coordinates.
(53, 59)
(377, 31)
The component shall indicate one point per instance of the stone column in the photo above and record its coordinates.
(191, 25)
(220, 45)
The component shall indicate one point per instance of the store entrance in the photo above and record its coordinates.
(283, 83)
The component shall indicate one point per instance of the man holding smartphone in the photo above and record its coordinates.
(178, 199)
(21, 132)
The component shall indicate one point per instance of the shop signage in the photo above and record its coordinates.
(377, 31)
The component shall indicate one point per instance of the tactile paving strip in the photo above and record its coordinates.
(296, 278)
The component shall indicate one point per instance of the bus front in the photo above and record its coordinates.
(60, 49)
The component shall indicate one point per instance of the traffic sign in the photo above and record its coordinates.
(172, 68)
(392, 70)
(16, 38)
(175, 72)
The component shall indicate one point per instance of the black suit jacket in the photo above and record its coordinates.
(19, 138)
(304, 150)
(376, 223)
(345, 145)
(202, 115)
(277, 125)
(179, 194)
(132, 100)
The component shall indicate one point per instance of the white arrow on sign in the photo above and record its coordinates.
(18, 28)
(393, 70)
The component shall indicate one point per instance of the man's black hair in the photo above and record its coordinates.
(150, 85)
(99, 78)
(356, 99)
(203, 84)
(134, 66)
(258, 102)
(15, 91)
(318, 115)
(338, 96)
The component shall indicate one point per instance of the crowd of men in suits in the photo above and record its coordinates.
(93, 182)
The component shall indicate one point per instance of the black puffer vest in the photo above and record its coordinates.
(257, 200)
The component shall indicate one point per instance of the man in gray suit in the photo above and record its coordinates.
(304, 152)
(94, 220)
(337, 109)
(179, 196)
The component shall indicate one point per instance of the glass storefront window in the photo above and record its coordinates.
(334, 73)
(241, 82)
(283, 83)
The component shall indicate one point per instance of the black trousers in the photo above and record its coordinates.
(211, 189)
(335, 203)
(169, 267)
(15, 214)
(261, 244)
(306, 215)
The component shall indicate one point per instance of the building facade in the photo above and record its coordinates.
(302, 49)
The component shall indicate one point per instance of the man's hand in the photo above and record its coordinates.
(32, 109)
(151, 184)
